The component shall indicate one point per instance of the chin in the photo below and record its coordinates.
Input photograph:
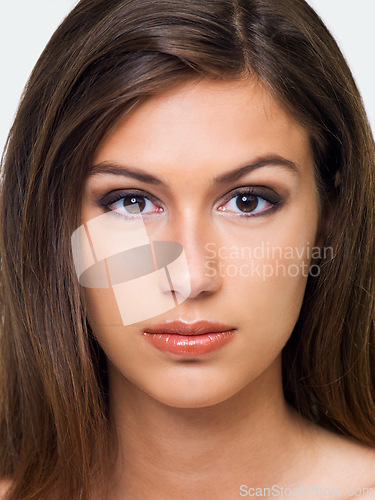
(191, 401)
(195, 395)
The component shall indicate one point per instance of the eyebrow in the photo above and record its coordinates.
(135, 173)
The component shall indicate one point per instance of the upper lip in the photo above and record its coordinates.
(184, 328)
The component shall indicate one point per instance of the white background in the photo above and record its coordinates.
(27, 25)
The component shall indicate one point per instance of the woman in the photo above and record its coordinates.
(187, 224)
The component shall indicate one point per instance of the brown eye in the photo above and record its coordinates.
(131, 204)
(134, 204)
(247, 203)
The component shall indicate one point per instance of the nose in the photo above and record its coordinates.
(200, 276)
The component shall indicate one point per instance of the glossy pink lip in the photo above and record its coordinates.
(189, 339)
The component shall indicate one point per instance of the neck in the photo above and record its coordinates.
(246, 439)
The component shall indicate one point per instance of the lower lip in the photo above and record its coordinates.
(189, 345)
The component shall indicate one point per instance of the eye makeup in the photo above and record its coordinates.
(249, 199)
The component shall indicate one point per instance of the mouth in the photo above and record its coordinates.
(189, 339)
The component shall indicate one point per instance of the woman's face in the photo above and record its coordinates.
(247, 234)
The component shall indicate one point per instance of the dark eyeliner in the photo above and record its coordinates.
(265, 193)
(114, 196)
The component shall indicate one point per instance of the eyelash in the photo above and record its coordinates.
(261, 193)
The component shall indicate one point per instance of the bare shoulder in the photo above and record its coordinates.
(350, 463)
(5, 484)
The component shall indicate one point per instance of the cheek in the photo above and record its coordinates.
(267, 268)
(102, 307)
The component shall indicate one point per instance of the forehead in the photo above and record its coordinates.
(205, 123)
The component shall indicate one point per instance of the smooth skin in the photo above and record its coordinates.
(200, 428)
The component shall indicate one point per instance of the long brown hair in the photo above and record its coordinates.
(102, 61)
